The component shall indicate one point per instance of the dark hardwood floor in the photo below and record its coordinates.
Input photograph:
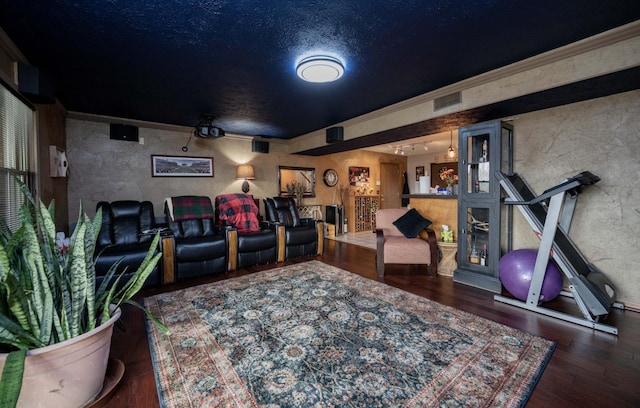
(588, 368)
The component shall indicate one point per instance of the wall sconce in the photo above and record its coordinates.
(245, 171)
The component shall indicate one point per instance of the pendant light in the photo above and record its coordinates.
(451, 152)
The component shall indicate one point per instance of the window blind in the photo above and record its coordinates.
(17, 152)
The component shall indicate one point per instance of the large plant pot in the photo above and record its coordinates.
(67, 374)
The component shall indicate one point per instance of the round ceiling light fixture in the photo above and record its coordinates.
(320, 69)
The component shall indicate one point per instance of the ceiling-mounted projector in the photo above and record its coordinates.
(209, 131)
(206, 129)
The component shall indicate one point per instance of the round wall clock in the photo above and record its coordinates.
(330, 177)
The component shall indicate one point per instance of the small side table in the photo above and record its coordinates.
(310, 211)
(448, 262)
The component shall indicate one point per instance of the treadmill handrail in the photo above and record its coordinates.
(583, 179)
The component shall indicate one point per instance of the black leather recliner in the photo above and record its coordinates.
(200, 246)
(256, 243)
(303, 236)
(121, 235)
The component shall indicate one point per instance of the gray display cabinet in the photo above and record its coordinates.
(483, 221)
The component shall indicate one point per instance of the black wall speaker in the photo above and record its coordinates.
(36, 85)
(124, 132)
(259, 146)
(335, 134)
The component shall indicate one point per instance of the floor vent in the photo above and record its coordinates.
(447, 100)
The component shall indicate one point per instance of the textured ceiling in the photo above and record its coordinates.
(170, 61)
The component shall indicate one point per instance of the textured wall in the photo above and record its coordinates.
(105, 169)
(601, 136)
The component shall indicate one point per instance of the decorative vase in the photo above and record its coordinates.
(67, 374)
(299, 199)
(450, 188)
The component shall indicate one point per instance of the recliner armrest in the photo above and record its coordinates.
(268, 225)
(308, 221)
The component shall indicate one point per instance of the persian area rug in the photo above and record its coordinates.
(312, 335)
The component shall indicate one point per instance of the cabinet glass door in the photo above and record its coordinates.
(477, 245)
(478, 235)
(478, 164)
(478, 252)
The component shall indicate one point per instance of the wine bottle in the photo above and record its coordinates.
(484, 255)
(473, 258)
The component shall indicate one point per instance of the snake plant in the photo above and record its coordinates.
(47, 295)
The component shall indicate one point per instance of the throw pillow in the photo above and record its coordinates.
(411, 223)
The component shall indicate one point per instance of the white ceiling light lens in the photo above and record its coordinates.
(320, 69)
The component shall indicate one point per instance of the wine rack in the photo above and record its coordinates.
(365, 208)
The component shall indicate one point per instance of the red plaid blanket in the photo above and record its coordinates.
(190, 207)
(239, 210)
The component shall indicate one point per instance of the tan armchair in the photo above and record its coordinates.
(393, 247)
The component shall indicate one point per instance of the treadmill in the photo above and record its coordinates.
(549, 215)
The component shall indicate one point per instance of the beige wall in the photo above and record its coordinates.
(105, 169)
(601, 136)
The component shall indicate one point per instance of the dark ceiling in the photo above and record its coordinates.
(169, 61)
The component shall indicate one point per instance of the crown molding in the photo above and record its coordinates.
(89, 117)
(10, 48)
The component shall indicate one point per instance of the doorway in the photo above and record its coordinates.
(390, 185)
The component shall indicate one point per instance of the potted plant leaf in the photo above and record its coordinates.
(49, 306)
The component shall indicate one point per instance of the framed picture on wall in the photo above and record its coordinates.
(438, 168)
(358, 180)
(419, 172)
(181, 166)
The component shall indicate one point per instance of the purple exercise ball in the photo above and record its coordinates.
(516, 268)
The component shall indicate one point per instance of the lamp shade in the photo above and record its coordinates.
(245, 171)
